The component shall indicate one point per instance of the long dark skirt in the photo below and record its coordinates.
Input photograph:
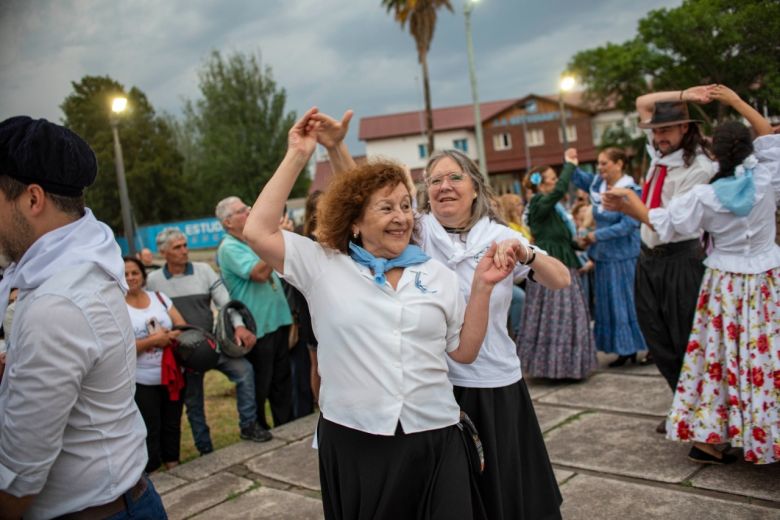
(518, 482)
(406, 476)
(555, 340)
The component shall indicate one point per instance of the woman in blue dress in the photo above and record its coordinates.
(614, 247)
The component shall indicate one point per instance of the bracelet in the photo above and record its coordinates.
(681, 94)
(533, 255)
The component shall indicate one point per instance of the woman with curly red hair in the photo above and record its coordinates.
(386, 317)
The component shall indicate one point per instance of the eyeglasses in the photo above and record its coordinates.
(245, 209)
(455, 178)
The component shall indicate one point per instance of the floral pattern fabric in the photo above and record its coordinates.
(729, 385)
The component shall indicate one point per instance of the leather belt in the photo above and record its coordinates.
(673, 248)
(115, 506)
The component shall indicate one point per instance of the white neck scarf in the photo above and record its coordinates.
(478, 239)
(86, 240)
(599, 187)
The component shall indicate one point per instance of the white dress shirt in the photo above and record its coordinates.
(679, 180)
(70, 431)
(497, 364)
(381, 350)
(740, 244)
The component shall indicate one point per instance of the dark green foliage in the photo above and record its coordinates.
(235, 136)
(700, 42)
(153, 166)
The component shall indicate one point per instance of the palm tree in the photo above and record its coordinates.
(421, 15)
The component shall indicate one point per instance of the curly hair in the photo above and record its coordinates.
(310, 213)
(692, 142)
(345, 199)
(731, 144)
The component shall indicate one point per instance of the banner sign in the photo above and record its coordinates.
(203, 233)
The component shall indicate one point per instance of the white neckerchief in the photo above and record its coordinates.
(600, 186)
(478, 239)
(86, 240)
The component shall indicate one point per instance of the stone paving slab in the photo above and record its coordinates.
(616, 392)
(588, 497)
(741, 478)
(165, 481)
(296, 464)
(199, 496)
(266, 503)
(297, 429)
(224, 458)
(562, 474)
(550, 416)
(620, 445)
(636, 370)
(540, 387)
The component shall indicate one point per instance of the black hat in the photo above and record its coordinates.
(35, 151)
(668, 113)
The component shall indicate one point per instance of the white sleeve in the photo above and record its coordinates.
(455, 314)
(304, 260)
(42, 381)
(683, 215)
(767, 151)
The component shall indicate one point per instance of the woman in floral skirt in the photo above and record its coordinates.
(730, 381)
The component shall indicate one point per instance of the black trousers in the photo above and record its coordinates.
(270, 359)
(163, 424)
(300, 365)
(668, 278)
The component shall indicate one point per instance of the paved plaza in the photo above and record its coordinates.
(600, 434)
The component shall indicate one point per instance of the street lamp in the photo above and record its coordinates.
(567, 84)
(118, 105)
(468, 6)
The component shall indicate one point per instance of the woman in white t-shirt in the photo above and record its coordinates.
(158, 378)
(387, 317)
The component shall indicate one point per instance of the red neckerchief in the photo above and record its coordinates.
(655, 200)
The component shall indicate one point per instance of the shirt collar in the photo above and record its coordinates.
(188, 269)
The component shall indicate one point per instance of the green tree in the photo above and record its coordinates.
(700, 42)
(235, 135)
(153, 167)
(421, 16)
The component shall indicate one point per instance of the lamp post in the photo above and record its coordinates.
(468, 6)
(118, 105)
(567, 83)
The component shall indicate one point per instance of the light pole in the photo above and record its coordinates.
(567, 83)
(118, 105)
(468, 6)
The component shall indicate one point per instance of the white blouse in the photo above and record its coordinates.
(740, 244)
(381, 351)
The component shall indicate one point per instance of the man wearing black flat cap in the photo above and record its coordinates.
(669, 274)
(72, 441)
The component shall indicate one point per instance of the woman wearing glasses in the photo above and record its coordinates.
(457, 227)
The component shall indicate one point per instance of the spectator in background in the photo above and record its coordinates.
(153, 317)
(252, 281)
(582, 214)
(510, 208)
(555, 341)
(614, 247)
(193, 286)
(147, 259)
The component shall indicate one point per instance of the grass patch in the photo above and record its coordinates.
(221, 415)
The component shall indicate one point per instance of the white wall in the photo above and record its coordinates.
(405, 149)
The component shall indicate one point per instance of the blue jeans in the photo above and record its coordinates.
(240, 372)
(516, 309)
(148, 506)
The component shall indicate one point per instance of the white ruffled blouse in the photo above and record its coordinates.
(740, 244)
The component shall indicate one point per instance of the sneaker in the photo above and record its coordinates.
(256, 433)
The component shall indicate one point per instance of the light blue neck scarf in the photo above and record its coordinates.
(412, 255)
(738, 193)
(566, 219)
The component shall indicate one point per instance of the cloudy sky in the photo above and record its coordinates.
(336, 54)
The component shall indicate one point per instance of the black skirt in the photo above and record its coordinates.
(422, 476)
(518, 482)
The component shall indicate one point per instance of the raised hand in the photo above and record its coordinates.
(332, 132)
(701, 94)
(302, 137)
(490, 271)
(571, 155)
(725, 95)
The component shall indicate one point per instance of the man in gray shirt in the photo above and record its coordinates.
(193, 286)
(71, 436)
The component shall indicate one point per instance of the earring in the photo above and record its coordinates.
(355, 235)
(475, 194)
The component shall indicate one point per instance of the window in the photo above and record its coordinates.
(502, 142)
(531, 107)
(571, 133)
(535, 137)
(461, 144)
(422, 150)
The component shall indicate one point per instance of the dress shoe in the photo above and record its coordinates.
(702, 457)
(661, 428)
(621, 360)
